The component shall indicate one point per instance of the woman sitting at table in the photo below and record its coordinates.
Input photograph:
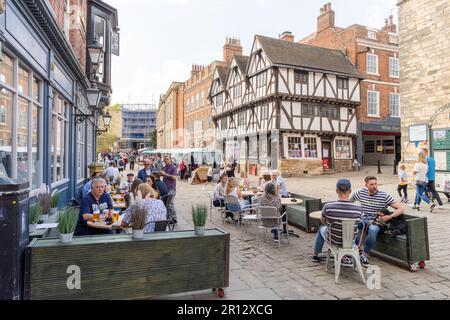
(271, 199)
(150, 180)
(156, 211)
(133, 190)
(232, 189)
(264, 179)
(245, 182)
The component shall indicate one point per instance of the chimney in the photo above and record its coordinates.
(232, 46)
(196, 69)
(326, 18)
(287, 36)
(389, 25)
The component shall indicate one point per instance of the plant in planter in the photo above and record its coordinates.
(138, 216)
(34, 215)
(54, 203)
(67, 222)
(199, 217)
(45, 201)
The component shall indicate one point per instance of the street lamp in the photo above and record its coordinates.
(107, 119)
(95, 54)
(93, 95)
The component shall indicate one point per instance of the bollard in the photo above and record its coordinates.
(379, 166)
(395, 166)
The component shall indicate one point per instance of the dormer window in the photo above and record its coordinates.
(301, 77)
(372, 34)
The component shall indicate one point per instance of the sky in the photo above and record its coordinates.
(161, 39)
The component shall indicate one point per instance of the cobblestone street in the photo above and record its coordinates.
(266, 272)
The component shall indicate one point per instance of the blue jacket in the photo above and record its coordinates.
(431, 169)
(142, 174)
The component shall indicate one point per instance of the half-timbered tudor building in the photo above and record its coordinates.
(288, 106)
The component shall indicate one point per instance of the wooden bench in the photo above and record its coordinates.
(298, 215)
(118, 267)
(409, 250)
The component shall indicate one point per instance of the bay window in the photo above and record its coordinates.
(343, 148)
(59, 138)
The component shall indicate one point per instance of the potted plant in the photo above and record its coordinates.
(199, 217)
(54, 203)
(34, 215)
(138, 217)
(45, 201)
(67, 222)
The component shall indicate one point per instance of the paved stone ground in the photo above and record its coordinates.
(267, 273)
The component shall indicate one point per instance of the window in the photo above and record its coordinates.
(342, 83)
(369, 147)
(330, 112)
(294, 145)
(67, 20)
(393, 38)
(242, 118)
(373, 103)
(394, 68)
(3, 115)
(6, 108)
(202, 99)
(343, 148)
(372, 34)
(394, 104)
(301, 77)
(224, 123)
(310, 147)
(310, 110)
(372, 63)
(59, 137)
(197, 101)
(219, 100)
(81, 138)
(100, 37)
(237, 91)
(264, 112)
(261, 80)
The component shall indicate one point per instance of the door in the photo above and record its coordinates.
(326, 155)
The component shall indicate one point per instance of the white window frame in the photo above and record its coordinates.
(373, 115)
(391, 95)
(391, 70)
(335, 148)
(393, 38)
(55, 118)
(318, 144)
(3, 113)
(372, 34)
(376, 64)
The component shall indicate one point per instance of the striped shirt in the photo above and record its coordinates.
(333, 212)
(372, 204)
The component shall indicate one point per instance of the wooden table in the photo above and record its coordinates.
(43, 233)
(288, 201)
(316, 215)
(102, 225)
(119, 205)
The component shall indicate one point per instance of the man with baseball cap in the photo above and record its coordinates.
(332, 212)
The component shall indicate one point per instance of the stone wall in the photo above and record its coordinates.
(425, 66)
(298, 168)
(343, 165)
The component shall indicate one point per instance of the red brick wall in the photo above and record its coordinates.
(77, 31)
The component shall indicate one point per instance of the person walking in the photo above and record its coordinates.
(431, 175)
(421, 171)
(170, 174)
(132, 160)
(403, 184)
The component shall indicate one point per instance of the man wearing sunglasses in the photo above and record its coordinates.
(147, 171)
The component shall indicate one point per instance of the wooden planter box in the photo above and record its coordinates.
(298, 215)
(409, 250)
(118, 267)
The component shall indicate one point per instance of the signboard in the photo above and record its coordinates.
(418, 133)
(115, 43)
(441, 139)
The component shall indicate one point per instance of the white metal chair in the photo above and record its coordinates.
(252, 215)
(233, 206)
(348, 248)
(270, 218)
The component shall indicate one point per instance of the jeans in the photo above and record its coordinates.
(421, 195)
(371, 235)
(320, 239)
(432, 188)
(171, 213)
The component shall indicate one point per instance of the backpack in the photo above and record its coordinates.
(182, 166)
(120, 163)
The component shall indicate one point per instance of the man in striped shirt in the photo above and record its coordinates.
(373, 203)
(332, 212)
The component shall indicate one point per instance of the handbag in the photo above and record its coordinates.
(421, 183)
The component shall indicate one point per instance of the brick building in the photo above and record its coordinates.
(425, 78)
(375, 53)
(199, 127)
(170, 117)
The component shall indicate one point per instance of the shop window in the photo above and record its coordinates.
(369, 147)
(343, 149)
(310, 147)
(294, 147)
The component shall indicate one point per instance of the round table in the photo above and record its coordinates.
(316, 215)
(289, 201)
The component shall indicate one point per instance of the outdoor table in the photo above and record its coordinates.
(288, 201)
(102, 225)
(316, 215)
(250, 193)
(119, 205)
(43, 233)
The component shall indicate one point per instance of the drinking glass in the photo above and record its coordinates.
(96, 216)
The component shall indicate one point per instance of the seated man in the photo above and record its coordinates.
(343, 208)
(130, 180)
(219, 192)
(96, 200)
(374, 202)
(88, 185)
(160, 186)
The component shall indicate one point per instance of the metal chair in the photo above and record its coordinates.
(251, 216)
(161, 225)
(270, 218)
(348, 247)
(233, 206)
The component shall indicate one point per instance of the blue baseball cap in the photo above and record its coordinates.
(344, 185)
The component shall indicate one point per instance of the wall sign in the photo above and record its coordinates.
(418, 133)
